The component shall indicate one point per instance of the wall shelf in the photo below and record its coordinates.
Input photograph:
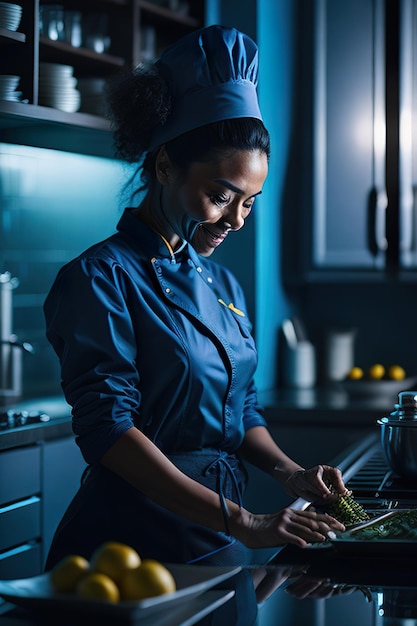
(84, 60)
(25, 122)
(45, 127)
(7, 36)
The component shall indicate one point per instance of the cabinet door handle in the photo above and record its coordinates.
(377, 220)
(408, 212)
(19, 504)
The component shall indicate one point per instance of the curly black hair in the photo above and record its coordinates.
(137, 102)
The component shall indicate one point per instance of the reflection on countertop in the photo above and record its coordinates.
(296, 587)
(324, 405)
(380, 589)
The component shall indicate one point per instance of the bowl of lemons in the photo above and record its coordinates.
(117, 586)
(378, 379)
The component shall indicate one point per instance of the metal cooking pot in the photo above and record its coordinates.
(399, 435)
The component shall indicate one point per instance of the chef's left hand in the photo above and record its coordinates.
(312, 484)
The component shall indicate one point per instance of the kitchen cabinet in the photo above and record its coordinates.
(135, 29)
(20, 512)
(62, 468)
(38, 483)
(360, 166)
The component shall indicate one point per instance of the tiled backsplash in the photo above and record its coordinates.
(52, 205)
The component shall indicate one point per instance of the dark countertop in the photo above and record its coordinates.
(295, 576)
(324, 406)
(303, 574)
(58, 426)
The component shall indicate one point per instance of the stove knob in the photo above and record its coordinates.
(19, 417)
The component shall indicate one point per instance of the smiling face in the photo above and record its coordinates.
(218, 194)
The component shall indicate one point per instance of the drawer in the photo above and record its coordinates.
(21, 562)
(20, 522)
(20, 472)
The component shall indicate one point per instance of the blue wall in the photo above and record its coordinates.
(275, 39)
(254, 254)
(52, 206)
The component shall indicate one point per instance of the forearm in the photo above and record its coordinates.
(260, 449)
(137, 460)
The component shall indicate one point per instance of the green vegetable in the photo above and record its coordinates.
(400, 525)
(346, 510)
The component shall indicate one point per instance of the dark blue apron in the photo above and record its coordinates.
(107, 508)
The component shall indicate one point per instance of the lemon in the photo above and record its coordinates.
(97, 586)
(150, 579)
(68, 572)
(396, 372)
(114, 558)
(376, 372)
(356, 373)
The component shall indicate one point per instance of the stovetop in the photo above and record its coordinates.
(377, 488)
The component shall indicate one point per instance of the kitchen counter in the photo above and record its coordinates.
(314, 583)
(317, 586)
(59, 424)
(324, 406)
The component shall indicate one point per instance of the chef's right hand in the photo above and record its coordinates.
(287, 526)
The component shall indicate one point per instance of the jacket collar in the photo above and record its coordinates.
(147, 242)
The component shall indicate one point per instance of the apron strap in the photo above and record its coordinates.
(222, 467)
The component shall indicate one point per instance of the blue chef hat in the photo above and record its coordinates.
(212, 75)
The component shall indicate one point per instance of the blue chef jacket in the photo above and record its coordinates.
(157, 342)
(162, 342)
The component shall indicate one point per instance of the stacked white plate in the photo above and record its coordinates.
(8, 85)
(57, 87)
(92, 95)
(10, 15)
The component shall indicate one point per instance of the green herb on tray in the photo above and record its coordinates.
(346, 510)
(400, 525)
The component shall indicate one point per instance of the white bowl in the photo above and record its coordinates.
(10, 23)
(10, 6)
(379, 387)
(8, 81)
(55, 68)
(10, 15)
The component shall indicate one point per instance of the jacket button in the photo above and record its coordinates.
(167, 290)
